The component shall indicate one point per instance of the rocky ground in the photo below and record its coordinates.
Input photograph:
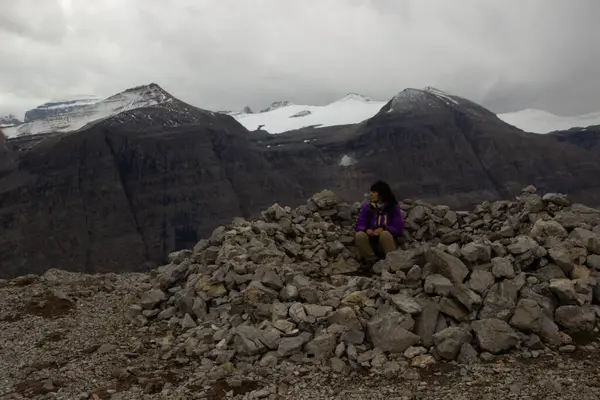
(500, 302)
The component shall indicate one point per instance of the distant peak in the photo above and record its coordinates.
(356, 96)
(150, 86)
(277, 104)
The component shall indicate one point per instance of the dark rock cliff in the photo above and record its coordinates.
(117, 198)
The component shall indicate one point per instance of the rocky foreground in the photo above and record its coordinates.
(500, 302)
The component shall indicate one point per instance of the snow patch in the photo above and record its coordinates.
(347, 161)
(447, 98)
(538, 121)
(349, 110)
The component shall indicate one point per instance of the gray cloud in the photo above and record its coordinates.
(224, 54)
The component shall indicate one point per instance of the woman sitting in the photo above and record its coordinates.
(379, 224)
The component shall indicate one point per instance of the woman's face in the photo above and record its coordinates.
(375, 197)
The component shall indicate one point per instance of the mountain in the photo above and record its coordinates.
(9, 120)
(354, 108)
(433, 146)
(71, 116)
(124, 191)
(585, 138)
(59, 107)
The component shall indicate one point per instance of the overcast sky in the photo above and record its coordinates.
(224, 54)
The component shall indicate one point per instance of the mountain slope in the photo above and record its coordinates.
(81, 116)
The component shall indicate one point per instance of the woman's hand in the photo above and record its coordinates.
(370, 232)
(377, 231)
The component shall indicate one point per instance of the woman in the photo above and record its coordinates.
(379, 224)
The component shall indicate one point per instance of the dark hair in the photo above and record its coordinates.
(385, 193)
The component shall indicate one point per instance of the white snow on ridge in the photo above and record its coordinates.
(139, 97)
(351, 109)
(538, 121)
(83, 101)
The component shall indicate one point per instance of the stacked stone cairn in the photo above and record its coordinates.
(510, 276)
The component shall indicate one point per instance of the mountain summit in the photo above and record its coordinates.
(76, 116)
(9, 120)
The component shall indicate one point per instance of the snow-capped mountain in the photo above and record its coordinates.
(355, 108)
(538, 121)
(9, 120)
(58, 107)
(286, 116)
(139, 97)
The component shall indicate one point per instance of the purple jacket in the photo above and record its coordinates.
(389, 219)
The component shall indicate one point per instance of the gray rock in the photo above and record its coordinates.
(587, 239)
(167, 313)
(345, 316)
(343, 266)
(593, 261)
(576, 319)
(405, 303)
(529, 317)
(481, 281)
(494, 335)
(353, 337)
(543, 230)
(566, 256)
(437, 284)
(564, 290)
(187, 322)
(322, 346)
(453, 309)
(449, 341)
(152, 298)
(290, 345)
(271, 280)
(387, 333)
(401, 260)
(501, 299)
(557, 198)
(324, 200)
(414, 274)
(549, 272)
(522, 244)
(466, 297)
(448, 266)
(288, 293)
(476, 252)
(467, 354)
(298, 313)
(250, 341)
(317, 311)
(257, 293)
(337, 365)
(426, 322)
(502, 268)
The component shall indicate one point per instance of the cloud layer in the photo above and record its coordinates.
(225, 54)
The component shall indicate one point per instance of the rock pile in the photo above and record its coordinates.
(286, 287)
